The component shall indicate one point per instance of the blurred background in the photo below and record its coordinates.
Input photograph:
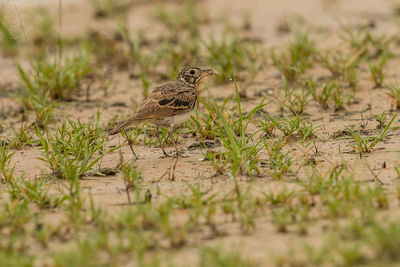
(319, 79)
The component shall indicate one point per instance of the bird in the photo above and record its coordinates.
(170, 104)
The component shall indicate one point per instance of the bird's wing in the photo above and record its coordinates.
(167, 100)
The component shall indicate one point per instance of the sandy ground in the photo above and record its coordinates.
(322, 15)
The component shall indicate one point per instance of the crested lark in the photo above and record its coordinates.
(169, 105)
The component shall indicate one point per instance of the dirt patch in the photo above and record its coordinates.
(306, 167)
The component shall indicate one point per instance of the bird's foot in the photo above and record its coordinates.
(166, 155)
(181, 155)
(174, 155)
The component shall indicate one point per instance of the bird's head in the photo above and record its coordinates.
(193, 75)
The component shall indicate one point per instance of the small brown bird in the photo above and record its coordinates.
(169, 105)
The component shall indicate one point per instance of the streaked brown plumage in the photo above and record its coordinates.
(170, 104)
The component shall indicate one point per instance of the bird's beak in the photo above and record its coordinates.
(208, 73)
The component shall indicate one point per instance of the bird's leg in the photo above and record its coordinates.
(173, 167)
(161, 143)
(135, 156)
(176, 143)
(129, 140)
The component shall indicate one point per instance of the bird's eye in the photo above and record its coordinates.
(192, 72)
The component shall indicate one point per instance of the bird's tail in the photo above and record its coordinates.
(123, 125)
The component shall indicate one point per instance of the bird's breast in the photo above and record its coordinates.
(181, 118)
